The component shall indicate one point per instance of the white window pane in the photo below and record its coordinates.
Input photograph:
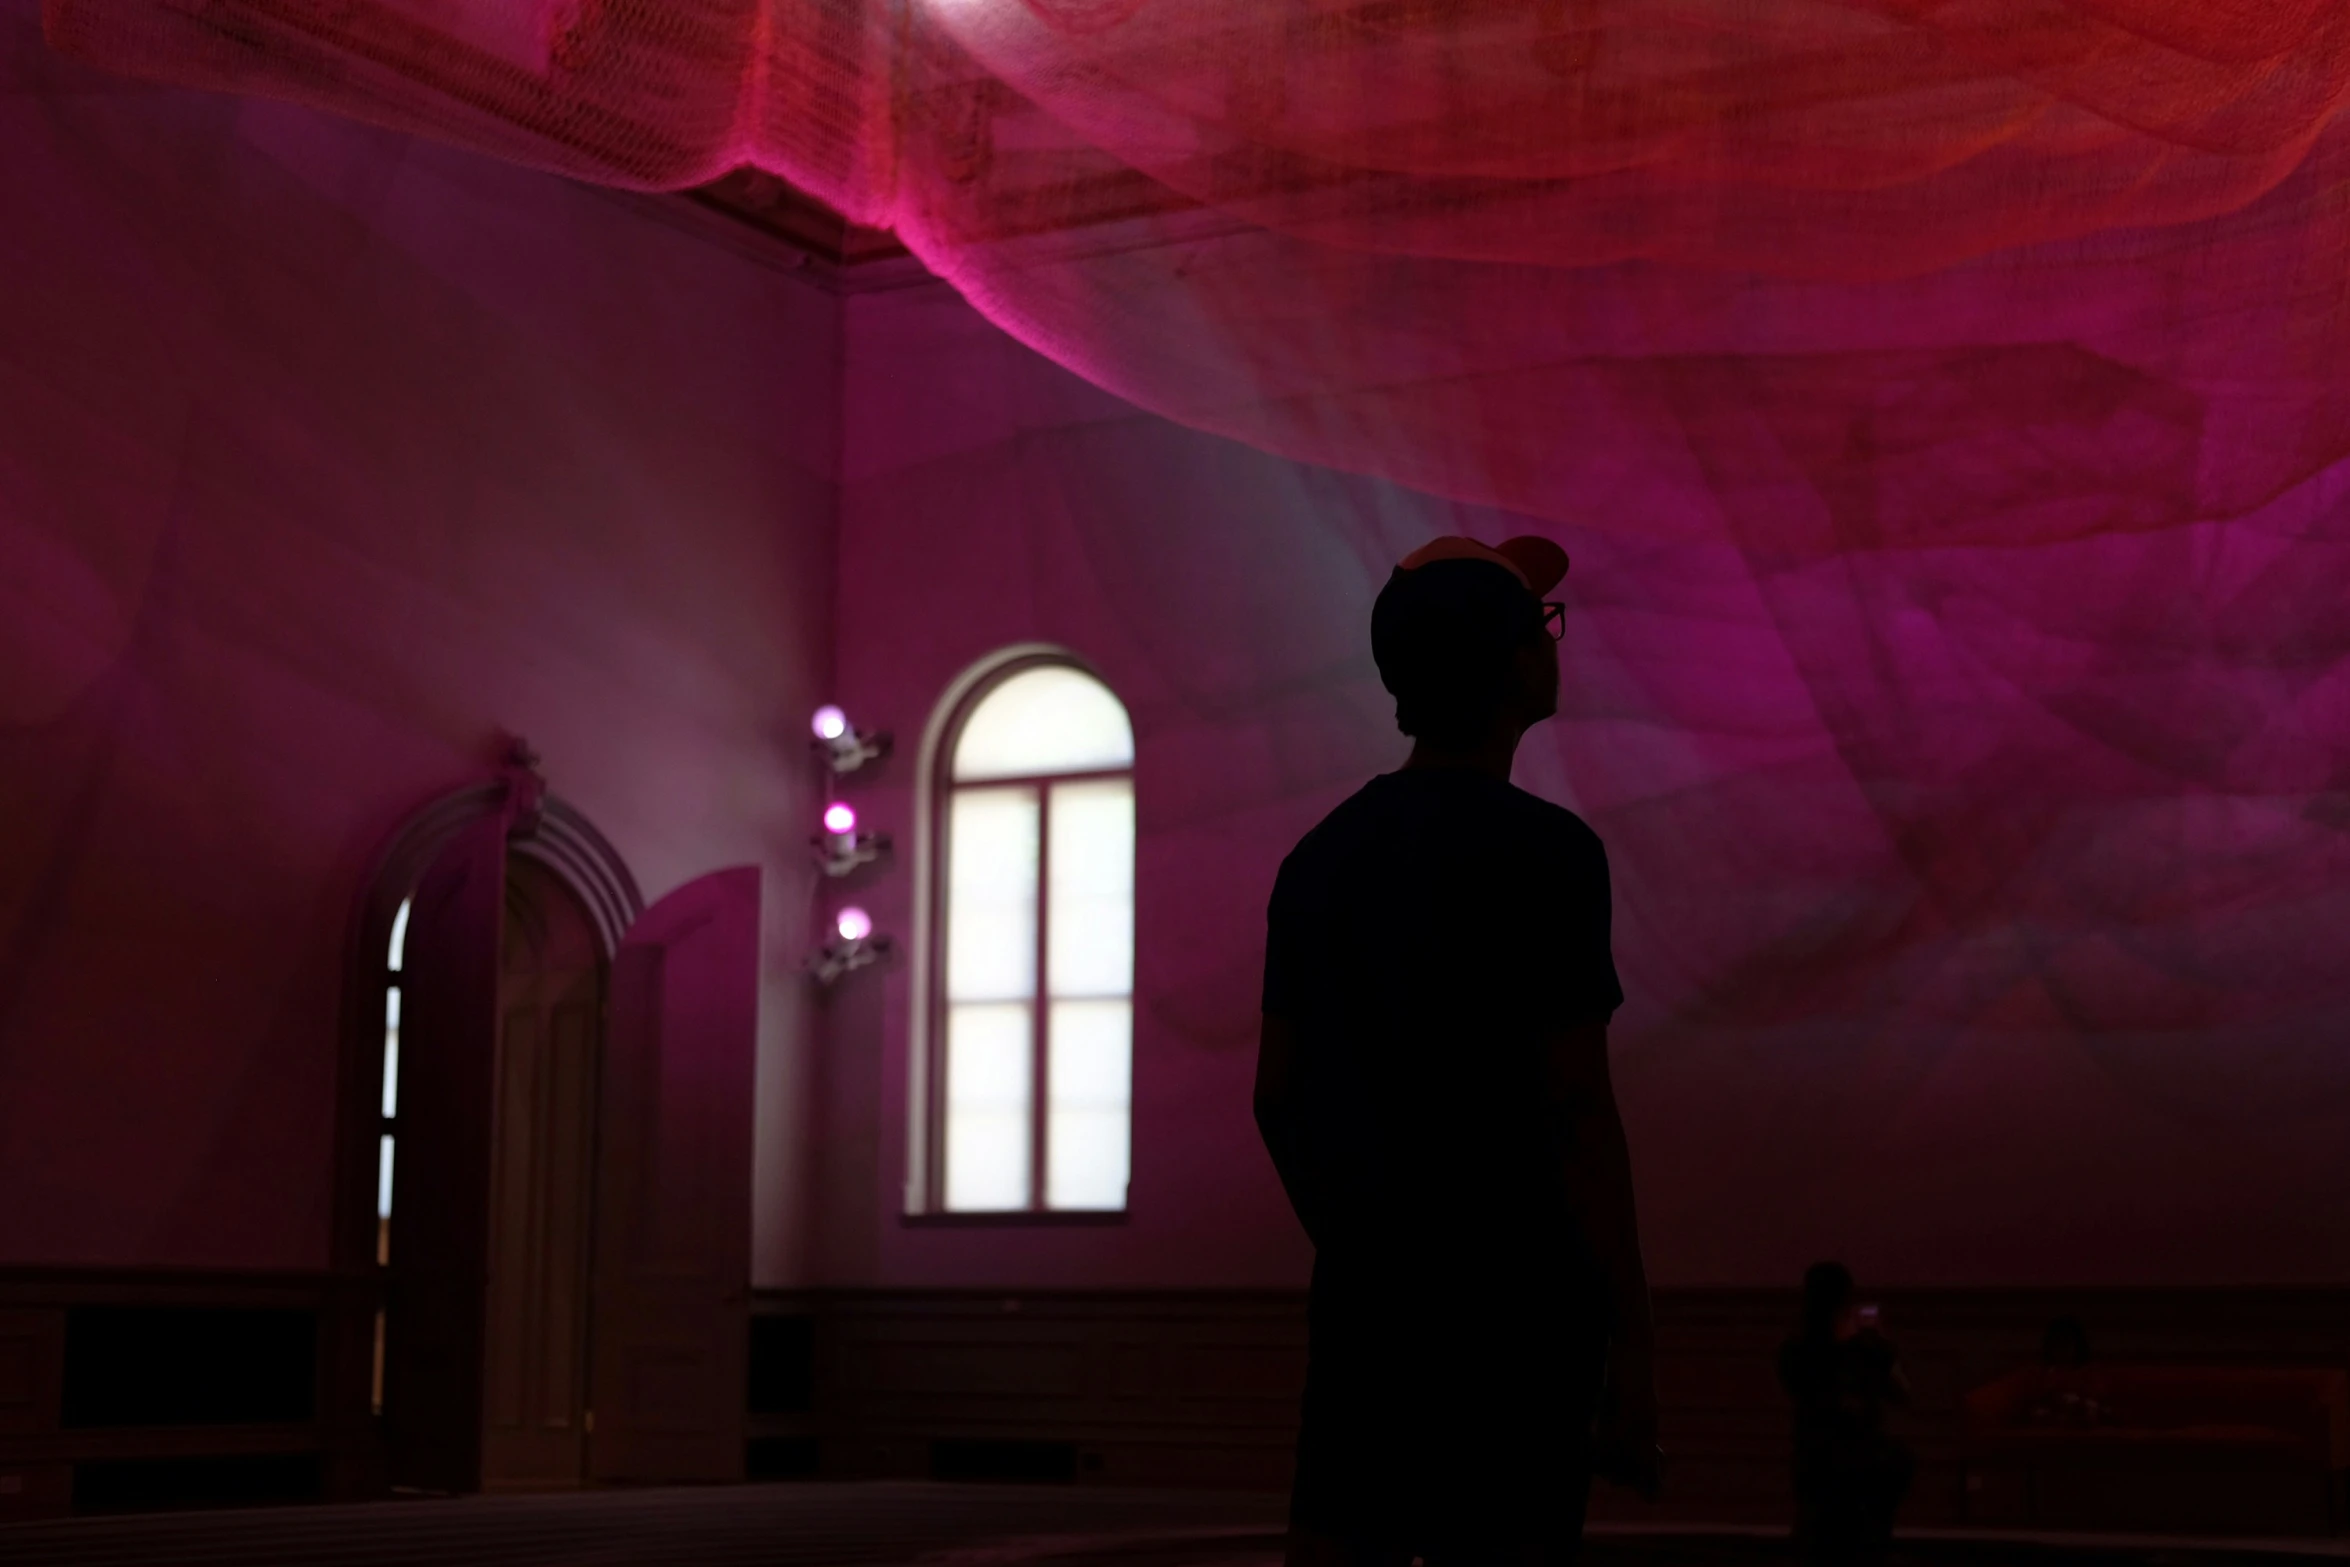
(1089, 1054)
(991, 895)
(383, 1179)
(1090, 907)
(391, 1052)
(399, 934)
(989, 1072)
(1088, 1160)
(1052, 719)
(1090, 1091)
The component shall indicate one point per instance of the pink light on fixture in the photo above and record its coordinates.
(840, 817)
(830, 723)
(854, 924)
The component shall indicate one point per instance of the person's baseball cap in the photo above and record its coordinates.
(1532, 559)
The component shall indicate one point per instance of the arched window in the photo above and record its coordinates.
(1032, 1026)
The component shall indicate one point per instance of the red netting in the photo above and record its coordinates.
(1990, 351)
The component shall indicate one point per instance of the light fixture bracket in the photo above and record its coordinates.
(838, 853)
(845, 753)
(836, 958)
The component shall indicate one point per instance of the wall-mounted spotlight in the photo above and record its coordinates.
(840, 848)
(843, 748)
(853, 946)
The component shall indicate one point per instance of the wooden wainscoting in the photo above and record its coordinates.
(1200, 1388)
(1130, 1388)
(1110, 1387)
(128, 1388)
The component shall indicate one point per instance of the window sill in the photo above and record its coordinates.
(1074, 1218)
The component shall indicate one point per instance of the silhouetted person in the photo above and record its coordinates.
(1842, 1373)
(2067, 1391)
(2065, 1342)
(1433, 1085)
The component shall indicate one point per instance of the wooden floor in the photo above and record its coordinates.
(905, 1524)
(792, 1525)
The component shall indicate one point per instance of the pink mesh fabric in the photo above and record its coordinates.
(1817, 275)
(1987, 355)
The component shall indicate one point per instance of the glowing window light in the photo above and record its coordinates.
(840, 817)
(391, 1105)
(830, 723)
(1051, 719)
(854, 924)
(1036, 858)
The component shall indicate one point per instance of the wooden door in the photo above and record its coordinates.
(673, 1206)
(439, 1231)
(541, 1187)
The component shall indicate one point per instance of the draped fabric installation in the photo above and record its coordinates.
(1994, 347)
(1817, 274)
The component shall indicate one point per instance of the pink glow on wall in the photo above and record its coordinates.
(331, 454)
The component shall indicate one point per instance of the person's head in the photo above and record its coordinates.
(1827, 1299)
(1463, 639)
(2065, 1343)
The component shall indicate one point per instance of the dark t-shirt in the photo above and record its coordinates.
(1839, 1388)
(1425, 941)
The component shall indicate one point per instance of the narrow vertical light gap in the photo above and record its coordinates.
(390, 1106)
(383, 1199)
(391, 1101)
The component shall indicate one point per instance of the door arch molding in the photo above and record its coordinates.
(541, 826)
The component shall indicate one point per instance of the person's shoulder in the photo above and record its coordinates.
(1330, 834)
(1556, 826)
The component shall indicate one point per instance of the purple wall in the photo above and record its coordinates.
(326, 454)
(1916, 1113)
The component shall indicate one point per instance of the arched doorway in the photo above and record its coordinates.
(556, 1144)
(551, 986)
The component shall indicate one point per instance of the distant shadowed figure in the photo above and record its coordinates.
(1841, 1373)
(2067, 1392)
(1433, 1087)
(2065, 1342)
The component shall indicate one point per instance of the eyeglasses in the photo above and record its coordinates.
(1554, 619)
